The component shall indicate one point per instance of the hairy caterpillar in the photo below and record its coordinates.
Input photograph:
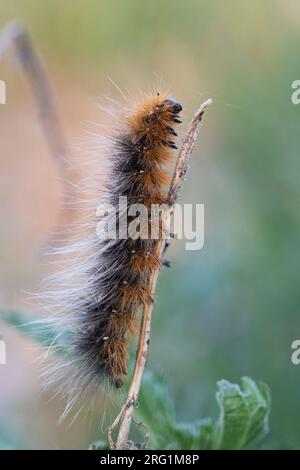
(103, 304)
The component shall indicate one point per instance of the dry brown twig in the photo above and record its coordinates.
(15, 33)
(125, 416)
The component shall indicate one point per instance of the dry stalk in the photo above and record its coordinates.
(14, 33)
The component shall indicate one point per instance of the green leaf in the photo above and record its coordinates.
(155, 396)
(259, 402)
(243, 414)
(30, 326)
(191, 436)
(158, 413)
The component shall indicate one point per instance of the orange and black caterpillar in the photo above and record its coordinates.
(103, 307)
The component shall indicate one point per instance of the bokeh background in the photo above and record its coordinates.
(227, 311)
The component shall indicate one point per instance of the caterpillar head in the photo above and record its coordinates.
(153, 123)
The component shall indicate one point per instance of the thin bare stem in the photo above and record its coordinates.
(15, 34)
(125, 417)
(186, 152)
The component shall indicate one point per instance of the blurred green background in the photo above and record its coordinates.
(229, 310)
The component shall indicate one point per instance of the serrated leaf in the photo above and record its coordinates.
(259, 402)
(243, 414)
